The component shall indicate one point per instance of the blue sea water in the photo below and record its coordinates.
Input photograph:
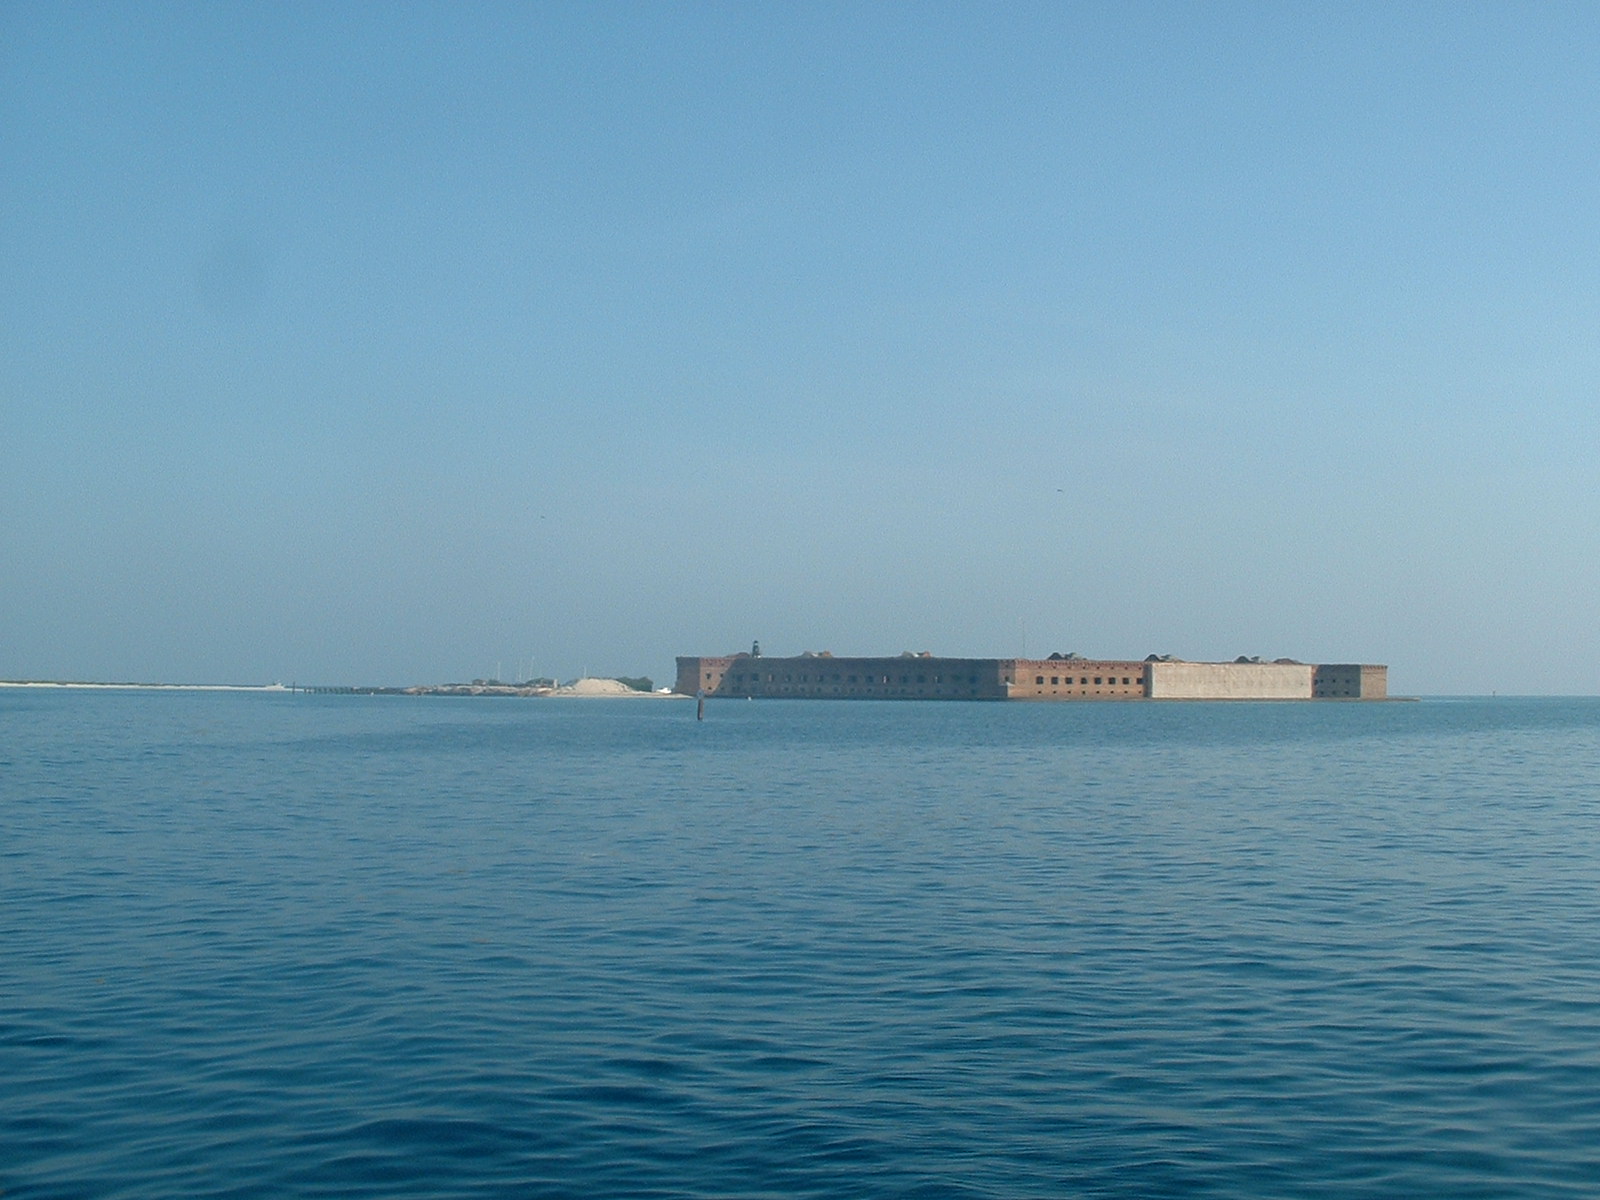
(285, 945)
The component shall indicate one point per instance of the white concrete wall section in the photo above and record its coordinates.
(1230, 681)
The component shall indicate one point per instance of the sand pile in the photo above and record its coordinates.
(596, 687)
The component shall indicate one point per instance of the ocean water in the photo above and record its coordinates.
(273, 945)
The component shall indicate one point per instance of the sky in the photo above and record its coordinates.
(410, 343)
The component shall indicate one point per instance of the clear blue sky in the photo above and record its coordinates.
(403, 343)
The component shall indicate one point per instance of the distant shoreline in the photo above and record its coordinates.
(582, 688)
(158, 687)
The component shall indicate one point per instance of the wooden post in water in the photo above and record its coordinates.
(700, 704)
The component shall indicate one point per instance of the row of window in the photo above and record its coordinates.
(1099, 681)
(879, 679)
(872, 688)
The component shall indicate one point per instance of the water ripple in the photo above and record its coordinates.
(333, 947)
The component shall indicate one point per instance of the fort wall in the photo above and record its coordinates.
(926, 677)
(1351, 681)
(823, 677)
(1075, 679)
(1230, 681)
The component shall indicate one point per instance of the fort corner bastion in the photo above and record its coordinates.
(924, 676)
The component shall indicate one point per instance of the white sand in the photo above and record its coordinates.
(601, 687)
